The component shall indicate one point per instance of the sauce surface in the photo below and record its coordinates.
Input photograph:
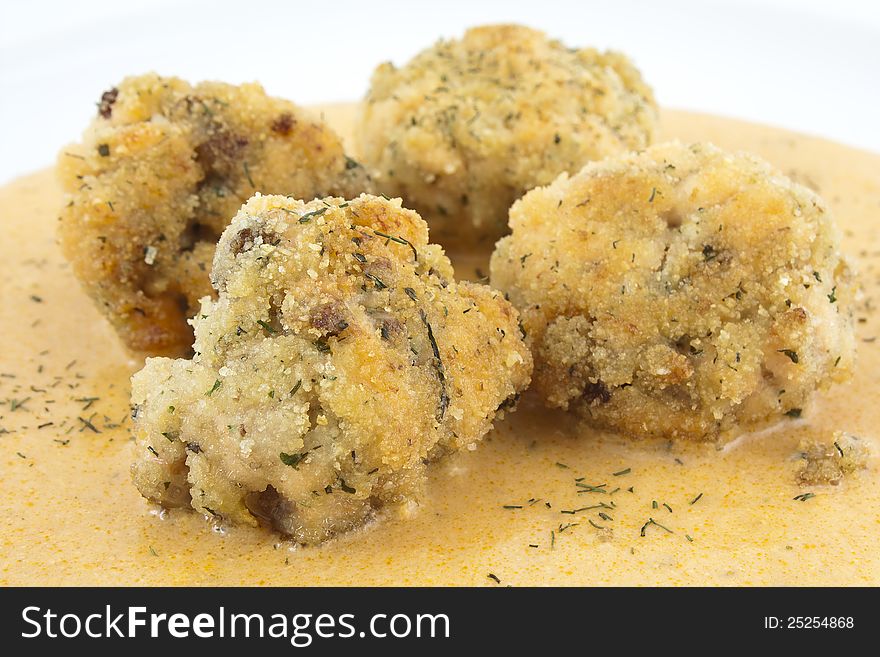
(723, 515)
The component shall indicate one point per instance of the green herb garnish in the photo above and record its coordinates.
(307, 217)
(709, 252)
(293, 460)
(438, 367)
(588, 488)
(380, 285)
(399, 240)
(87, 424)
(792, 355)
(266, 326)
(651, 521)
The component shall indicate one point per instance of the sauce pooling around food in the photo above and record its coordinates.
(542, 500)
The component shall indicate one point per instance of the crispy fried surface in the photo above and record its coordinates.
(155, 180)
(340, 356)
(823, 463)
(682, 291)
(469, 125)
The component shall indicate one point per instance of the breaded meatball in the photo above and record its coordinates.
(468, 126)
(679, 292)
(158, 175)
(340, 356)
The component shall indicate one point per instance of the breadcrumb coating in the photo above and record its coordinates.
(679, 292)
(823, 463)
(155, 180)
(468, 126)
(338, 358)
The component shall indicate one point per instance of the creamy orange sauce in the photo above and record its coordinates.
(70, 515)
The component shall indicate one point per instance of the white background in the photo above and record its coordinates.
(807, 65)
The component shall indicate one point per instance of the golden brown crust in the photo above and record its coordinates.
(467, 126)
(682, 291)
(340, 356)
(156, 179)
